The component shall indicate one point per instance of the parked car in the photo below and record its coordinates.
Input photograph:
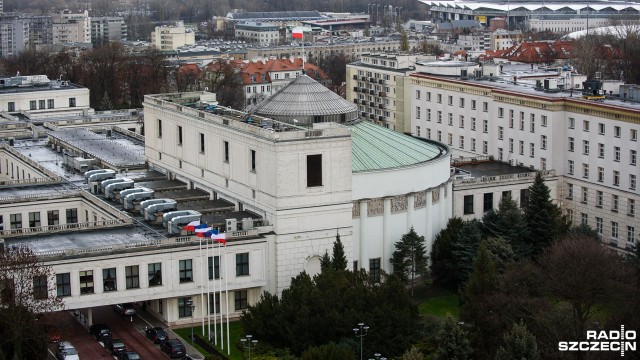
(128, 355)
(114, 346)
(173, 347)
(66, 351)
(100, 332)
(125, 309)
(156, 334)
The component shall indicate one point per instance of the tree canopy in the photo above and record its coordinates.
(410, 258)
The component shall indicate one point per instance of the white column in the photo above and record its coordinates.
(386, 235)
(89, 316)
(410, 204)
(429, 226)
(98, 281)
(359, 254)
(143, 272)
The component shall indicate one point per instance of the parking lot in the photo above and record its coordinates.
(129, 329)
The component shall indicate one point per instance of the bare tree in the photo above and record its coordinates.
(27, 291)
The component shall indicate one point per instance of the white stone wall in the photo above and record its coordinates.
(22, 101)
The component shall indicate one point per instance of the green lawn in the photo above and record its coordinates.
(235, 334)
(440, 306)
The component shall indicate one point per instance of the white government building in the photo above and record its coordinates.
(290, 176)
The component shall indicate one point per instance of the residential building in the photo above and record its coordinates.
(69, 27)
(14, 36)
(170, 38)
(590, 146)
(108, 28)
(40, 31)
(263, 34)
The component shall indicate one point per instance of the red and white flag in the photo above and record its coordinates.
(297, 32)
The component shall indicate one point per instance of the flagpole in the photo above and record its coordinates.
(208, 294)
(215, 323)
(226, 286)
(221, 321)
(201, 284)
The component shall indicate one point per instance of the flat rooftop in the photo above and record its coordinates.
(38, 88)
(491, 168)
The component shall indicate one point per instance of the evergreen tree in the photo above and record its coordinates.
(544, 219)
(464, 250)
(410, 258)
(519, 344)
(325, 262)
(442, 261)
(330, 351)
(413, 354)
(509, 223)
(501, 252)
(453, 342)
(339, 259)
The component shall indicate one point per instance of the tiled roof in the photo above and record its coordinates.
(304, 97)
(378, 148)
(539, 51)
(261, 70)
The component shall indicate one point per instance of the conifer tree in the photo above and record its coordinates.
(544, 218)
(453, 342)
(410, 258)
(519, 344)
(339, 259)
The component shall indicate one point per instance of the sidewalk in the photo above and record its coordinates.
(152, 321)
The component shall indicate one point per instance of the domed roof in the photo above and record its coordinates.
(374, 147)
(307, 101)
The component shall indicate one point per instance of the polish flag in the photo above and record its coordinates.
(297, 33)
(221, 238)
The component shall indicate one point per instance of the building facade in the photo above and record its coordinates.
(108, 28)
(263, 34)
(170, 38)
(71, 27)
(14, 36)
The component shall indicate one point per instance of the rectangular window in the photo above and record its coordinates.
(599, 198)
(532, 124)
(585, 171)
(428, 114)
(109, 280)
(132, 277)
(53, 217)
(614, 229)
(40, 287)
(500, 112)
(15, 221)
(633, 157)
(242, 264)
(468, 204)
(631, 207)
(532, 149)
(184, 307)
(511, 119)
(585, 147)
(616, 178)
(572, 123)
(41, 104)
(543, 120)
(614, 203)
(450, 102)
(450, 139)
(601, 150)
(616, 153)
(633, 135)
(485, 126)
(418, 112)
(473, 144)
(485, 106)
(632, 181)
(314, 170)
(72, 216)
(461, 142)
(214, 303)
(201, 143)
(543, 141)
(186, 270)
(521, 147)
(439, 117)
(450, 119)
(601, 128)
(34, 219)
(631, 234)
(33, 105)
(214, 267)
(240, 297)
(226, 151)
(253, 161)
(599, 225)
(485, 147)
(570, 167)
(418, 94)
(462, 103)
(86, 282)
(570, 191)
(584, 219)
(159, 124)
(179, 135)
(72, 102)
(585, 125)
(511, 145)
(461, 121)
(524, 197)
(616, 131)
(585, 195)
(600, 174)
(154, 273)
(63, 284)
(488, 202)
(570, 143)
(374, 270)
(50, 103)
(428, 94)
(473, 104)
(439, 98)
(11, 106)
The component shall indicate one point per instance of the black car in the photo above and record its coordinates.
(173, 347)
(156, 334)
(114, 346)
(128, 355)
(125, 309)
(100, 332)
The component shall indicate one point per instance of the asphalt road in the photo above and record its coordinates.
(131, 331)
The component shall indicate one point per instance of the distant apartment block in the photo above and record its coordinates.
(170, 38)
(108, 28)
(71, 27)
(14, 36)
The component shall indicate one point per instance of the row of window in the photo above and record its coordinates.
(599, 199)
(617, 130)
(53, 218)
(40, 104)
(599, 227)
(240, 302)
(600, 173)
(633, 154)
(461, 103)
(487, 201)
(154, 275)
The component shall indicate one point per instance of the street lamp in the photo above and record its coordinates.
(192, 306)
(360, 332)
(248, 343)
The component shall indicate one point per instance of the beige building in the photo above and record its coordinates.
(71, 27)
(170, 38)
